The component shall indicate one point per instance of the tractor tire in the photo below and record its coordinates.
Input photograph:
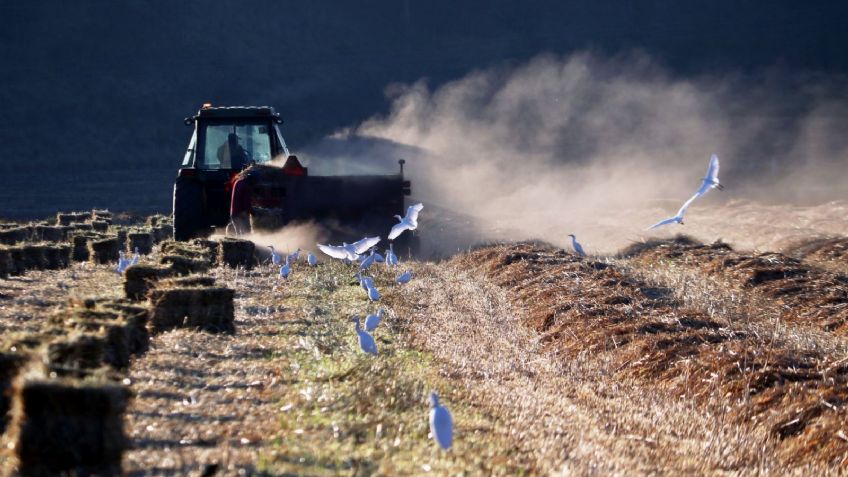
(188, 209)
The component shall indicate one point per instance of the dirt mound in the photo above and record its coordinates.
(593, 309)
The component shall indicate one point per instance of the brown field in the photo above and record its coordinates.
(669, 356)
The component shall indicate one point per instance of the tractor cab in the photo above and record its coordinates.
(232, 138)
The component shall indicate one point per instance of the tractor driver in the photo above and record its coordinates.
(232, 151)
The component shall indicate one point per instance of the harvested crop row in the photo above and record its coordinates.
(592, 309)
(796, 292)
(828, 253)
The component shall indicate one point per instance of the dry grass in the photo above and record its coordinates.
(801, 294)
(638, 333)
(830, 253)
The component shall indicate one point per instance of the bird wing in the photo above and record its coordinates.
(579, 248)
(333, 251)
(412, 214)
(363, 245)
(689, 202)
(712, 171)
(662, 222)
(398, 229)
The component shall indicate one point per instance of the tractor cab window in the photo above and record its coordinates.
(188, 159)
(234, 146)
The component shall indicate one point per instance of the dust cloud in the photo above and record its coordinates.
(604, 147)
(294, 236)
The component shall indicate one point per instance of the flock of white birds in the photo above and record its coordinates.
(363, 254)
(710, 181)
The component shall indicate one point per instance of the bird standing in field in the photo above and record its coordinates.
(275, 257)
(710, 181)
(441, 423)
(294, 256)
(135, 257)
(123, 262)
(404, 278)
(409, 222)
(373, 320)
(285, 270)
(366, 341)
(577, 247)
(311, 259)
(368, 261)
(391, 258)
(373, 293)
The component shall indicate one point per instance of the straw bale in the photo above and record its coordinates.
(236, 252)
(183, 265)
(68, 427)
(209, 309)
(15, 235)
(138, 279)
(143, 241)
(104, 250)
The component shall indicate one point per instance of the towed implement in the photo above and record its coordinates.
(238, 174)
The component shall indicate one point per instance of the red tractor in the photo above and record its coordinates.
(238, 174)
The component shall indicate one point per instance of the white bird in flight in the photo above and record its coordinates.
(349, 251)
(710, 181)
(441, 423)
(311, 259)
(373, 320)
(405, 278)
(577, 247)
(366, 341)
(410, 222)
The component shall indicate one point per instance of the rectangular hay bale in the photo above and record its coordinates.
(236, 253)
(139, 279)
(68, 427)
(104, 250)
(141, 241)
(204, 308)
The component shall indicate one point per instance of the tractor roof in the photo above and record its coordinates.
(237, 112)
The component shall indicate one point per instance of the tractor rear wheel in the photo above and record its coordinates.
(188, 209)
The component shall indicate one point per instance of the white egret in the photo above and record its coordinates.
(135, 257)
(335, 251)
(367, 262)
(364, 282)
(405, 277)
(285, 270)
(366, 341)
(577, 247)
(391, 258)
(123, 262)
(373, 320)
(410, 222)
(311, 259)
(294, 256)
(373, 293)
(441, 423)
(709, 182)
(275, 257)
(377, 257)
